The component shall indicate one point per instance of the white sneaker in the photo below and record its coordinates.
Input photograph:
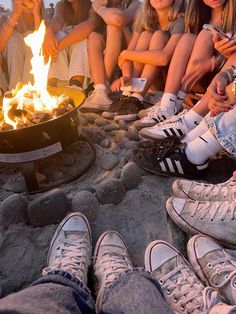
(145, 112)
(213, 265)
(225, 191)
(215, 219)
(97, 101)
(110, 259)
(70, 249)
(181, 287)
(172, 126)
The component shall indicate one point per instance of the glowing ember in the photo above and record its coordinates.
(33, 101)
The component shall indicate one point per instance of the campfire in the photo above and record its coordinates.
(32, 104)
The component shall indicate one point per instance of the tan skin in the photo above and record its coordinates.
(81, 30)
(27, 19)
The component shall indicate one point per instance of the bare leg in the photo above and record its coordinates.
(204, 45)
(96, 46)
(113, 49)
(142, 44)
(150, 72)
(179, 63)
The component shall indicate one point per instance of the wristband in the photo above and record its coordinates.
(12, 22)
(231, 73)
(234, 87)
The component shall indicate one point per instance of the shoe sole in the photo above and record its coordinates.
(189, 229)
(128, 117)
(62, 223)
(148, 252)
(141, 125)
(109, 115)
(150, 135)
(192, 257)
(100, 239)
(166, 174)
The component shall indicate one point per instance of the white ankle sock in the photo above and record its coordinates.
(136, 95)
(197, 131)
(180, 98)
(100, 86)
(192, 119)
(168, 102)
(126, 93)
(202, 148)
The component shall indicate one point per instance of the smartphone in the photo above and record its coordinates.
(136, 85)
(212, 28)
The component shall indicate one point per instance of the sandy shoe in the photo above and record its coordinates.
(111, 258)
(70, 248)
(181, 287)
(97, 101)
(215, 219)
(213, 265)
(199, 191)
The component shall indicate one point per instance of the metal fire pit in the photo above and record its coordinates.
(39, 141)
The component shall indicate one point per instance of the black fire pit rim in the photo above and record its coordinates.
(44, 122)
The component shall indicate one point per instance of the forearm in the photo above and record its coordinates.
(127, 69)
(112, 16)
(37, 19)
(153, 57)
(7, 27)
(79, 33)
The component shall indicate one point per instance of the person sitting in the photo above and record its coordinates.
(25, 18)
(104, 52)
(66, 41)
(215, 133)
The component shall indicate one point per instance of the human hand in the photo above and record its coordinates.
(122, 58)
(50, 44)
(98, 4)
(219, 95)
(115, 85)
(225, 46)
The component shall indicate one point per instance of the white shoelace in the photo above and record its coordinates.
(224, 265)
(113, 263)
(217, 208)
(224, 188)
(73, 256)
(183, 287)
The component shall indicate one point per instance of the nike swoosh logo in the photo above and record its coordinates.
(172, 100)
(196, 123)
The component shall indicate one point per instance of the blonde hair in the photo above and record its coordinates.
(147, 17)
(198, 13)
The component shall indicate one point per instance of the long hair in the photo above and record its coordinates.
(83, 12)
(198, 13)
(147, 17)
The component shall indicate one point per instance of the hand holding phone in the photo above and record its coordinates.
(134, 85)
(216, 30)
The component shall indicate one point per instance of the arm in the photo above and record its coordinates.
(7, 25)
(37, 13)
(81, 31)
(153, 57)
(116, 16)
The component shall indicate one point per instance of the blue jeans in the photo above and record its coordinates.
(225, 129)
(133, 292)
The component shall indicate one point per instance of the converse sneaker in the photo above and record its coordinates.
(213, 265)
(198, 191)
(168, 161)
(181, 287)
(97, 101)
(215, 219)
(173, 126)
(115, 107)
(70, 248)
(111, 258)
(129, 110)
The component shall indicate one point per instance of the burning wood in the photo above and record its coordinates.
(32, 104)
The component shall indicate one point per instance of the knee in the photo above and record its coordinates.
(95, 40)
(145, 35)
